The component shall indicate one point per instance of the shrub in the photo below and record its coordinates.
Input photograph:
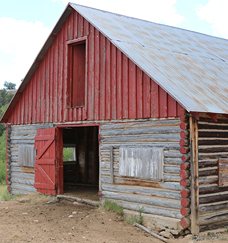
(3, 158)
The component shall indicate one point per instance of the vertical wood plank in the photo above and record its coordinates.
(75, 19)
(172, 107)
(26, 105)
(125, 86)
(146, 96)
(194, 175)
(113, 82)
(70, 37)
(51, 84)
(119, 85)
(91, 75)
(55, 83)
(162, 102)
(42, 97)
(139, 92)
(111, 165)
(102, 76)
(64, 91)
(108, 81)
(180, 109)
(38, 88)
(154, 100)
(34, 99)
(86, 27)
(97, 77)
(60, 77)
(132, 90)
(47, 83)
(30, 102)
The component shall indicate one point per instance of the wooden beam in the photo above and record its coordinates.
(111, 165)
(213, 116)
(196, 115)
(193, 123)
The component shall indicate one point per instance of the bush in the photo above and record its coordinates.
(3, 158)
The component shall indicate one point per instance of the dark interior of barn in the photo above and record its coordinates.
(81, 162)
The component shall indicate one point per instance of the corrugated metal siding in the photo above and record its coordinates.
(157, 197)
(213, 141)
(22, 178)
(116, 87)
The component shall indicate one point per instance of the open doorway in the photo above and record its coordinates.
(81, 162)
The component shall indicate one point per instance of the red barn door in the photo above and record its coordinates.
(48, 165)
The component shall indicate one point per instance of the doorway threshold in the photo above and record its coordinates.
(78, 199)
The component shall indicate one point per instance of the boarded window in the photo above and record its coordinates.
(26, 155)
(223, 172)
(77, 74)
(141, 162)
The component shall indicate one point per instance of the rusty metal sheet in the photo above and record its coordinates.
(190, 66)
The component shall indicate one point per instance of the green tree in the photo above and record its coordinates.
(2, 125)
(9, 85)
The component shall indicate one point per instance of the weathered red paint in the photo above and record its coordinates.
(182, 142)
(48, 163)
(184, 193)
(115, 87)
(184, 211)
(183, 182)
(182, 134)
(183, 174)
(184, 202)
(182, 126)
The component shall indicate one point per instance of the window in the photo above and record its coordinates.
(140, 162)
(26, 155)
(77, 72)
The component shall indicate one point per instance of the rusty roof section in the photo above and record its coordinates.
(190, 66)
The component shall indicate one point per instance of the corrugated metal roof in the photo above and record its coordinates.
(190, 66)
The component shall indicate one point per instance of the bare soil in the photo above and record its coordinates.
(63, 221)
(29, 219)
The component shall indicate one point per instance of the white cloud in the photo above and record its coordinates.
(162, 11)
(20, 42)
(215, 12)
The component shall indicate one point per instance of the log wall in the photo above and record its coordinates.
(20, 179)
(156, 197)
(213, 144)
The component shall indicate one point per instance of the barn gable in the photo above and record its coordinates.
(116, 88)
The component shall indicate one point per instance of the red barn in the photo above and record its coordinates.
(144, 106)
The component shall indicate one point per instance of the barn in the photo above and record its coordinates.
(144, 106)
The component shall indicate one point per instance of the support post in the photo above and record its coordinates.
(193, 124)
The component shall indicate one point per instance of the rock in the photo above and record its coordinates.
(174, 232)
(158, 229)
(70, 216)
(166, 234)
(74, 212)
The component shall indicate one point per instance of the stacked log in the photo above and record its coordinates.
(184, 173)
(8, 157)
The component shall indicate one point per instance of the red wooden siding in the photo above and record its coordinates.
(115, 89)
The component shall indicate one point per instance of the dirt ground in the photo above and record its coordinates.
(29, 220)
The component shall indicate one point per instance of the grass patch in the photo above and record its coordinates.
(223, 239)
(5, 195)
(112, 206)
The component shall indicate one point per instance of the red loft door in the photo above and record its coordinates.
(48, 165)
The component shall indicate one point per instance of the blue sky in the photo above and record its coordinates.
(26, 24)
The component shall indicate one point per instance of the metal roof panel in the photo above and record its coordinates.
(190, 66)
